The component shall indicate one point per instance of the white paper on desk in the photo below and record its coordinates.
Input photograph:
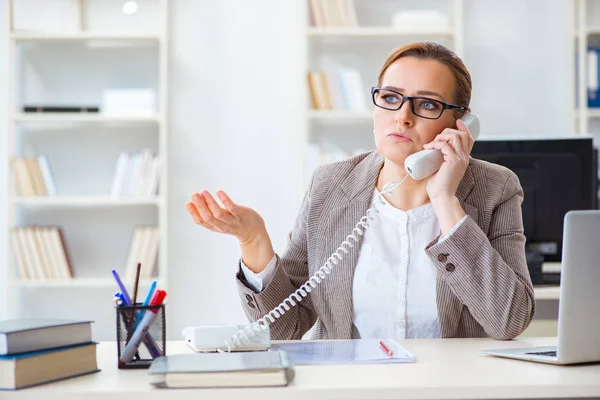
(355, 351)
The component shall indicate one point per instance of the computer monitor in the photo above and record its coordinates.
(557, 175)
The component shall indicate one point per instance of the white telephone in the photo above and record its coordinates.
(256, 335)
(424, 163)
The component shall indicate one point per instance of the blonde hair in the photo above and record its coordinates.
(443, 55)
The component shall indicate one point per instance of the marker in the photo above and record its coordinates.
(386, 349)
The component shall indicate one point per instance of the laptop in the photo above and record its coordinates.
(579, 305)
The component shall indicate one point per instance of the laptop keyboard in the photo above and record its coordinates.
(544, 353)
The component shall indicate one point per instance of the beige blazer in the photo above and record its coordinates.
(483, 284)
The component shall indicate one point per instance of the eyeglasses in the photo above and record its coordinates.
(421, 106)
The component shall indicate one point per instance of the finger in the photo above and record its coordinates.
(448, 151)
(205, 212)
(227, 202)
(445, 136)
(193, 211)
(457, 139)
(219, 212)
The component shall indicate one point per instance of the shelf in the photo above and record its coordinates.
(83, 118)
(375, 32)
(593, 30)
(593, 112)
(547, 292)
(340, 115)
(78, 283)
(83, 201)
(82, 36)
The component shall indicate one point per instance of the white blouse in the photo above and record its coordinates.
(394, 288)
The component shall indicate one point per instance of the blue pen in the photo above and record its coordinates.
(122, 287)
(146, 302)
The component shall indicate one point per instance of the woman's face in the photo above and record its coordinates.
(400, 133)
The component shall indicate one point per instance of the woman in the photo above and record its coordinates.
(444, 257)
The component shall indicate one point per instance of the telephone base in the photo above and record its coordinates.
(207, 339)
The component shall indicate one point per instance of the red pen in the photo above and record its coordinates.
(387, 350)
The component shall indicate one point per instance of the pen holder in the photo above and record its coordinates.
(132, 321)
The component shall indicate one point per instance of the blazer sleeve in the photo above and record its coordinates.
(488, 273)
(291, 271)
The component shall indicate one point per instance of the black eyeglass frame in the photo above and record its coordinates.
(445, 106)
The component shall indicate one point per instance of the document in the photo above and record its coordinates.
(355, 351)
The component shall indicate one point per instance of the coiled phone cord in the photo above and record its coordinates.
(303, 291)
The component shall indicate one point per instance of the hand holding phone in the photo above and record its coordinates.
(424, 163)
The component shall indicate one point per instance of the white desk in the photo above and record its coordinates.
(445, 369)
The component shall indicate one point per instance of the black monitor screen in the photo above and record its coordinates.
(557, 175)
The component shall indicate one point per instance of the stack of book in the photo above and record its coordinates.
(333, 13)
(337, 89)
(136, 175)
(37, 351)
(32, 176)
(40, 253)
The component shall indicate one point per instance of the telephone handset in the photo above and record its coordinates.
(422, 164)
(418, 166)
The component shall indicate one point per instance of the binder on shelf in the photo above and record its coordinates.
(593, 72)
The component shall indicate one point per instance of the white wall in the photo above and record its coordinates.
(237, 97)
(236, 108)
(521, 57)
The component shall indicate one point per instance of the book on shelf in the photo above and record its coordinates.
(33, 176)
(337, 89)
(136, 175)
(333, 13)
(143, 249)
(34, 108)
(237, 369)
(19, 371)
(40, 253)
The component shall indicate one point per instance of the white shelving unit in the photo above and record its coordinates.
(587, 31)
(98, 228)
(364, 48)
